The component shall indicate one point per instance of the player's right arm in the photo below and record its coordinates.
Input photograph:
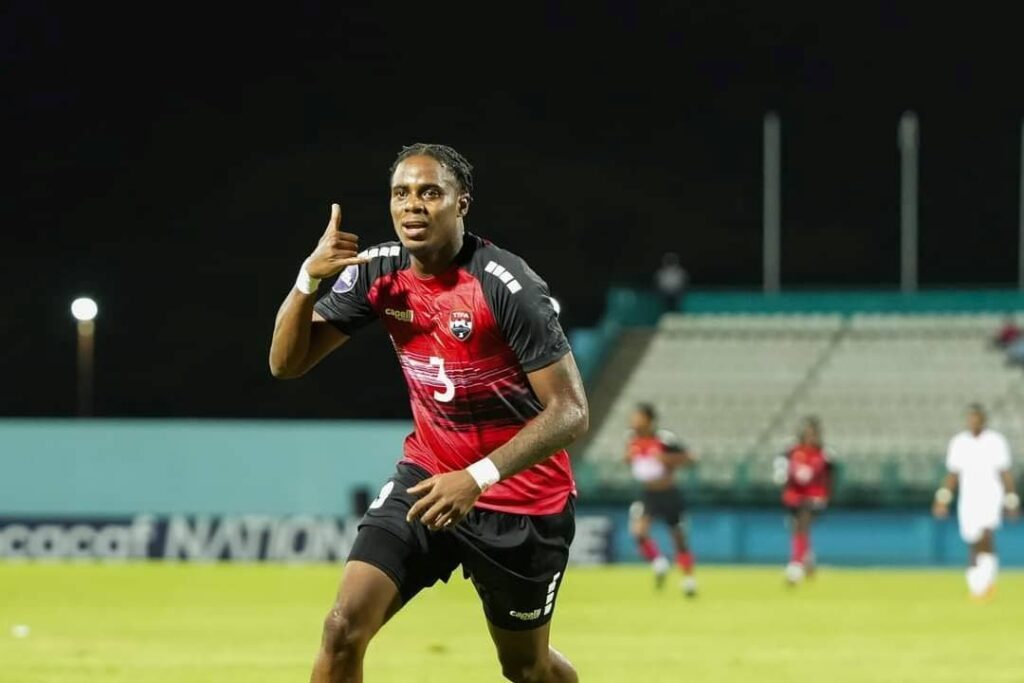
(627, 451)
(780, 468)
(944, 495)
(302, 337)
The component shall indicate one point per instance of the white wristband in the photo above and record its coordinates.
(944, 496)
(485, 473)
(306, 283)
(1011, 501)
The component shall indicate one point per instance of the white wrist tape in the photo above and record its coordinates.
(944, 496)
(306, 283)
(485, 473)
(1011, 501)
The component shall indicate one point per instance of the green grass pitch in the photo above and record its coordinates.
(145, 623)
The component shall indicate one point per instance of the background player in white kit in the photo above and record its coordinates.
(978, 461)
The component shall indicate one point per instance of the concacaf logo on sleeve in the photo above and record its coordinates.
(347, 280)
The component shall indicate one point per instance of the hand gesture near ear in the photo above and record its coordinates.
(335, 251)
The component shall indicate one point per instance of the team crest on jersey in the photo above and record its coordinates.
(461, 324)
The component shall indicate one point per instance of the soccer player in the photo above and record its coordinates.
(485, 481)
(805, 473)
(978, 460)
(654, 455)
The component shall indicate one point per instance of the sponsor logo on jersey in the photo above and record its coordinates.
(461, 324)
(347, 280)
(401, 316)
(526, 616)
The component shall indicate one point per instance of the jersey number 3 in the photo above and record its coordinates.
(449, 387)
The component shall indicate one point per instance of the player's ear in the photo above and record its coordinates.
(463, 204)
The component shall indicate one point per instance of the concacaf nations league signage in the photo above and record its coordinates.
(241, 538)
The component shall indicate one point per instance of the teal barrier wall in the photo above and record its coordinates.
(907, 537)
(114, 467)
(856, 301)
(69, 469)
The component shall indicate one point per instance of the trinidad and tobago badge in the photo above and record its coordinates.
(461, 324)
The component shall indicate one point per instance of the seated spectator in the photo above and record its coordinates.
(1015, 353)
(671, 280)
(1008, 333)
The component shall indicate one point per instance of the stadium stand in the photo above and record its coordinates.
(890, 389)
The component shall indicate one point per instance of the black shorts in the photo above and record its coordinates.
(666, 505)
(814, 505)
(516, 562)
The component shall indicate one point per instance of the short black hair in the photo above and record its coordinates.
(976, 408)
(444, 155)
(810, 421)
(648, 410)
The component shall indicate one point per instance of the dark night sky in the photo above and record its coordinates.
(178, 165)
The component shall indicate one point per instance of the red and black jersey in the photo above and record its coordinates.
(466, 340)
(645, 454)
(808, 475)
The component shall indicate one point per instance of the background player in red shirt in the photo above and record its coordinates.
(805, 470)
(654, 455)
(485, 481)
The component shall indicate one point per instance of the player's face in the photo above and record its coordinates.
(811, 436)
(426, 205)
(640, 422)
(975, 421)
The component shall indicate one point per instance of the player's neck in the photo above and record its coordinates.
(428, 265)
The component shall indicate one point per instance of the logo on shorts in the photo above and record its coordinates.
(461, 324)
(549, 603)
(347, 280)
(526, 616)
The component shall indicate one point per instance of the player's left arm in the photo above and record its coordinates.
(674, 453)
(678, 455)
(528, 319)
(1011, 501)
(565, 417)
(820, 466)
(780, 468)
(679, 458)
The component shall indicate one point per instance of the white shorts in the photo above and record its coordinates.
(975, 520)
